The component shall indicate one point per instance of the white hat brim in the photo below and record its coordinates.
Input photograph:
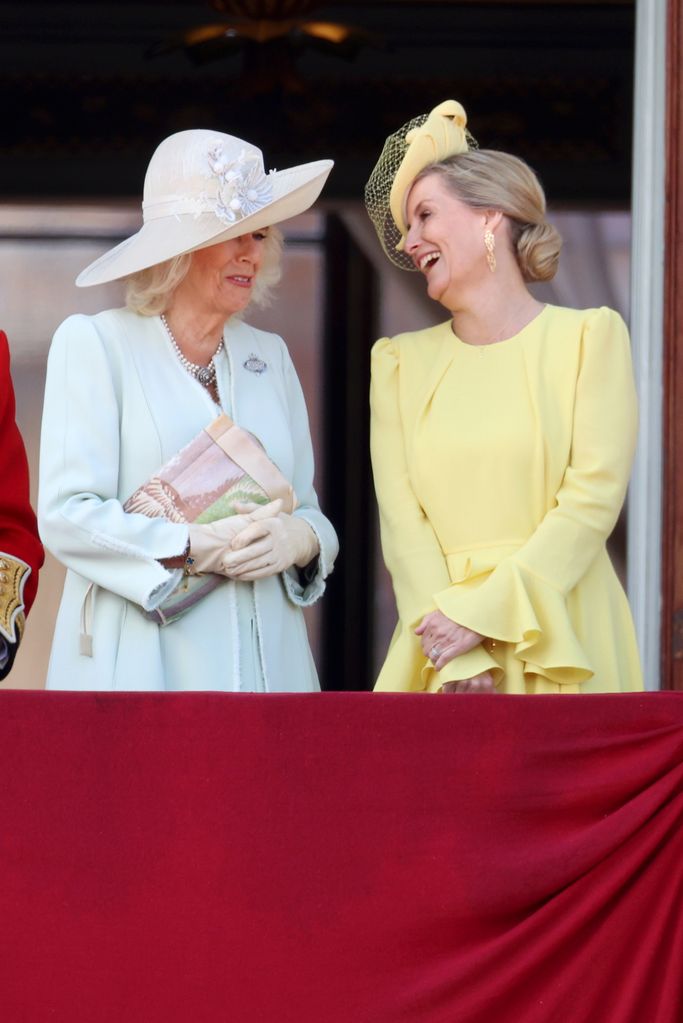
(293, 191)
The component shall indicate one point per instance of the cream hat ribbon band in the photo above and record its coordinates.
(178, 205)
(428, 138)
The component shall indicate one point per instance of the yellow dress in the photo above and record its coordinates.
(500, 471)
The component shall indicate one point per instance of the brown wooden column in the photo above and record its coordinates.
(672, 534)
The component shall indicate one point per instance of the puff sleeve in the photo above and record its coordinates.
(411, 550)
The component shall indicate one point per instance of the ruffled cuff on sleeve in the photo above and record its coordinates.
(468, 665)
(515, 606)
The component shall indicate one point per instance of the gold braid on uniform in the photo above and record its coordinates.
(13, 575)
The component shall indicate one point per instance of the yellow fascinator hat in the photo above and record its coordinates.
(424, 140)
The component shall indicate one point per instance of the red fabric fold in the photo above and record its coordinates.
(341, 858)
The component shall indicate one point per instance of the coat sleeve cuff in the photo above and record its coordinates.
(306, 587)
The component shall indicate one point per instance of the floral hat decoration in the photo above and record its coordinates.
(203, 187)
(426, 139)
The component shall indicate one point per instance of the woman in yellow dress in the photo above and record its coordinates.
(502, 439)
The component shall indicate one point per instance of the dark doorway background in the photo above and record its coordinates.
(90, 88)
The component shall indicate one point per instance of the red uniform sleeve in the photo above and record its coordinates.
(18, 529)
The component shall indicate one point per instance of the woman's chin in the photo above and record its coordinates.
(436, 288)
(233, 305)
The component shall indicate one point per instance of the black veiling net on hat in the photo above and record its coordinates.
(378, 189)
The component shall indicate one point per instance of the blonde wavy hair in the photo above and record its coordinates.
(488, 179)
(149, 291)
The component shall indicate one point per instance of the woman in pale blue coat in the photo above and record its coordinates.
(128, 388)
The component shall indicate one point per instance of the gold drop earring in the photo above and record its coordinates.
(490, 243)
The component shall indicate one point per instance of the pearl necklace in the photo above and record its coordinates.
(206, 375)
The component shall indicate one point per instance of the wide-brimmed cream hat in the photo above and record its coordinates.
(426, 139)
(203, 187)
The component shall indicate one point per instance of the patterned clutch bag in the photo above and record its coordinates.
(222, 466)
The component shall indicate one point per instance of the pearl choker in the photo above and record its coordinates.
(206, 375)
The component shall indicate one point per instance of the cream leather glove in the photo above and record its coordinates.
(210, 541)
(270, 545)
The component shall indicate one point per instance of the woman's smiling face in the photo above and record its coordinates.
(445, 239)
(221, 277)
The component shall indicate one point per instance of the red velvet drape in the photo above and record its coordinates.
(341, 858)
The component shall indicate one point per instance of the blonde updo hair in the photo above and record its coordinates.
(488, 179)
(149, 291)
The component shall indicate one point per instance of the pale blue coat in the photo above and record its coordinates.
(118, 404)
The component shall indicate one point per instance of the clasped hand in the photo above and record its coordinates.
(443, 639)
(260, 541)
